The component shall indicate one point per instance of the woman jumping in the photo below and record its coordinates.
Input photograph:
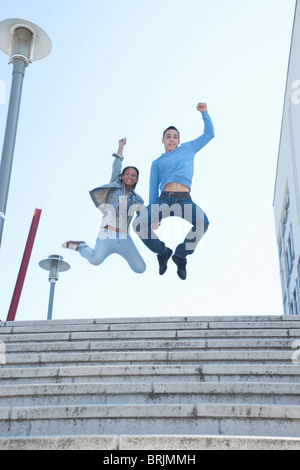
(118, 201)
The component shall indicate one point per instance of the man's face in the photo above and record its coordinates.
(171, 140)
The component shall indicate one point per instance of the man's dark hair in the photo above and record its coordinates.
(171, 127)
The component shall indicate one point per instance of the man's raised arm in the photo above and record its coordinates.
(208, 133)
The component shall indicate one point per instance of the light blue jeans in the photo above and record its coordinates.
(109, 242)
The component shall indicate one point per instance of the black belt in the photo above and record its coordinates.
(179, 194)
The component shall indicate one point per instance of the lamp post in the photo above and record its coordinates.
(54, 264)
(24, 42)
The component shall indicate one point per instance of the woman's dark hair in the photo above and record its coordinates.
(127, 168)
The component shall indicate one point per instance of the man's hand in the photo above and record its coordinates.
(201, 107)
(122, 142)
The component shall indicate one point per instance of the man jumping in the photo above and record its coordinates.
(172, 174)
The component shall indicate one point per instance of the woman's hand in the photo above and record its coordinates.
(122, 142)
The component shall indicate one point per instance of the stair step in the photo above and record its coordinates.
(149, 344)
(155, 442)
(264, 420)
(66, 443)
(149, 334)
(162, 357)
(201, 373)
(205, 442)
(165, 383)
(159, 323)
(148, 393)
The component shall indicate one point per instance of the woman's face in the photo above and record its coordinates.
(130, 177)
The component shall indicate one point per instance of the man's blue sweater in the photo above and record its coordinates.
(177, 166)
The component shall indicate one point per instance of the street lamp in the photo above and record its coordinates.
(54, 264)
(24, 42)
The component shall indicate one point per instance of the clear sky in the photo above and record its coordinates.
(130, 68)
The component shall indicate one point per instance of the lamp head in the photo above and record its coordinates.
(21, 39)
(54, 264)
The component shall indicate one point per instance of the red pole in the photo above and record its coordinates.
(24, 265)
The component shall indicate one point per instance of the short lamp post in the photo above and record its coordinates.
(24, 42)
(54, 264)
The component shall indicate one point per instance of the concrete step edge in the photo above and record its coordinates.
(201, 356)
(181, 334)
(152, 319)
(138, 344)
(145, 324)
(111, 370)
(209, 442)
(150, 442)
(60, 443)
(152, 411)
(150, 388)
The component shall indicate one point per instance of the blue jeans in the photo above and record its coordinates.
(171, 207)
(109, 242)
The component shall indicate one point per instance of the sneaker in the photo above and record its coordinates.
(71, 245)
(181, 266)
(163, 261)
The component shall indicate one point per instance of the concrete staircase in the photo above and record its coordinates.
(180, 383)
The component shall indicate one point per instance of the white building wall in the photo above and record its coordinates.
(287, 185)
